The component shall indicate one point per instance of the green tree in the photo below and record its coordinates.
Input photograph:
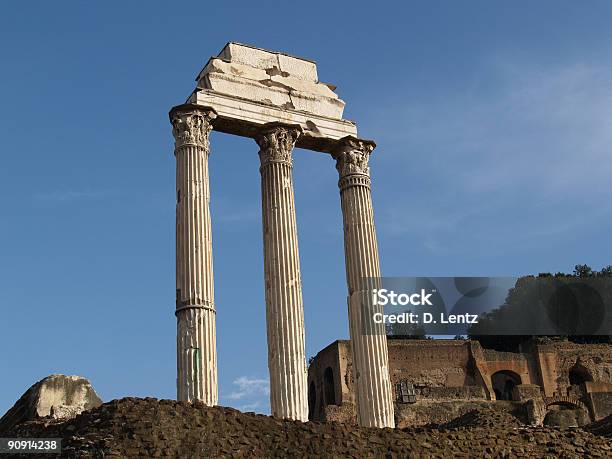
(524, 305)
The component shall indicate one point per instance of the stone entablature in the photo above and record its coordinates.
(270, 78)
(249, 87)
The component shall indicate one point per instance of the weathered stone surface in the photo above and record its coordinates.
(162, 428)
(195, 298)
(535, 411)
(425, 413)
(283, 282)
(58, 396)
(264, 59)
(249, 87)
(523, 392)
(484, 418)
(373, 392)
(271, 78)
(602, 427)
(566, 418)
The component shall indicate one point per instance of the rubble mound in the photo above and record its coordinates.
(602, 427)
(487, 418)
(133, 427)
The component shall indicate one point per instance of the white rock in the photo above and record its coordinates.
(59, 396)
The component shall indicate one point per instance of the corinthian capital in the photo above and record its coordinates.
(352, 155)
(276, 142)
(191, 125)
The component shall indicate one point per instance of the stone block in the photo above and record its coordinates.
(299, 68)
(523, 392)
(235, 69)
(57, 396)
(249, 55)
(536, 411)
(248, 89)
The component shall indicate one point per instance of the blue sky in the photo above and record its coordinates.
(493, 124)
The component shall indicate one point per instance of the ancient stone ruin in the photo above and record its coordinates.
(556, 383)
(443, 398)
(278, 101)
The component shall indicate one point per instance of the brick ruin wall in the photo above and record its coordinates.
(452, 377)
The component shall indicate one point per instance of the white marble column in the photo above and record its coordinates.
(195, 306)
(368, 341)
(283, 285)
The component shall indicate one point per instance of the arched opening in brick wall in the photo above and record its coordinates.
(578, 375)
(503, 383)
(312, 400)
(329, 386)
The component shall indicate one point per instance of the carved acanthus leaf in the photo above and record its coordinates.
(352, 156)
(192, 127)
(276, 144)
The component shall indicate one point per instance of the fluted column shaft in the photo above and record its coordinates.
(195, 306)
(368, 341)
(283, 285)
